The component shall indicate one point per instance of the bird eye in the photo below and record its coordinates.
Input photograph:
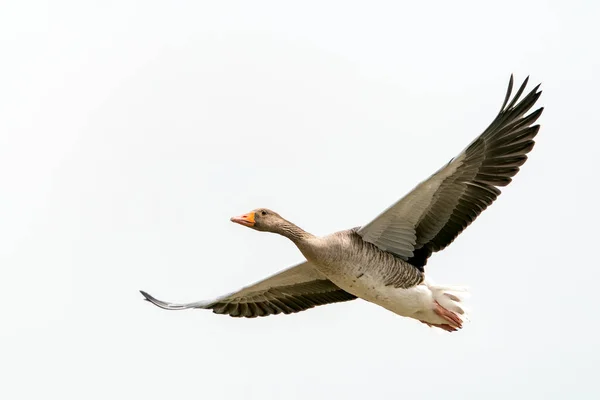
(263, 212)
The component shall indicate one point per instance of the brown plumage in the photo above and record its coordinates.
(383, 261)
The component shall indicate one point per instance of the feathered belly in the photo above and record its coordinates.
(367, 272)
(371, 287)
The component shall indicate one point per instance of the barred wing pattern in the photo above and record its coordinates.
(293, 290)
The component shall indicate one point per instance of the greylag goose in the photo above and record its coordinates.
(383, 262)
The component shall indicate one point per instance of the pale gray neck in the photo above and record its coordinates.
(292, 232)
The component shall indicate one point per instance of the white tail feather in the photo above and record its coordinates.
(451, 298)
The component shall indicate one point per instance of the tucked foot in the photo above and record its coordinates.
(446, 327)
(450, 316)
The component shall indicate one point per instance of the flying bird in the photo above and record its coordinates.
(383, 262)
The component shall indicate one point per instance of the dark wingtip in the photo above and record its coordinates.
(162, 304)
(147, 297)
(508, 92)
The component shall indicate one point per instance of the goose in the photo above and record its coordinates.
(383, 262)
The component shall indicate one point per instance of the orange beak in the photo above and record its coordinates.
(246, 219)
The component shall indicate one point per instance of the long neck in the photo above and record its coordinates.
(292, 232)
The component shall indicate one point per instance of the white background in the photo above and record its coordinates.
(131, 131)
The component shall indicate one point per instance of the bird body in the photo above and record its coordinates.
(383, 262)
(363, 270)
(363, 273)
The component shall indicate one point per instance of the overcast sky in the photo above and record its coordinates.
(130, 132)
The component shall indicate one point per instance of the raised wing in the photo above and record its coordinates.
(295, 289)
(435, 212)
